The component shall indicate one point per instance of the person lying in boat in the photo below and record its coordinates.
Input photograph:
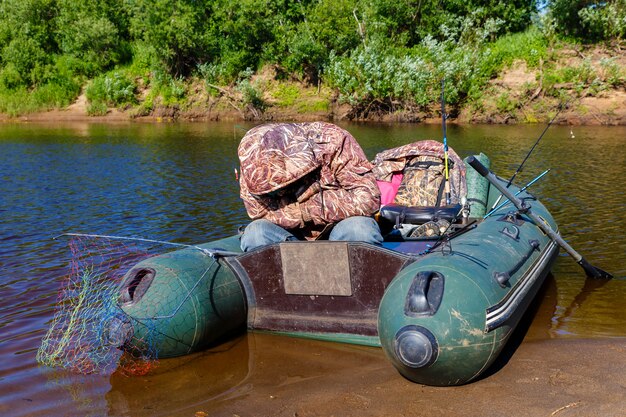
(306, 181)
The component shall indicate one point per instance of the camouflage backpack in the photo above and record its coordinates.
(422, 166)
(422, 183)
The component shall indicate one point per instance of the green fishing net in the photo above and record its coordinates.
(84, 333)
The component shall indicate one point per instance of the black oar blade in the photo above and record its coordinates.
(592, 271)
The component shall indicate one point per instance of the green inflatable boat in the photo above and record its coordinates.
(441, 296)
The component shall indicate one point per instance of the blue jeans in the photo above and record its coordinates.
(358, 228)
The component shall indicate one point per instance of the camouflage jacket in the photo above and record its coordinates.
(305, 176)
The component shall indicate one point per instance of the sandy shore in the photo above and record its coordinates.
(262, 375)
(561, 378)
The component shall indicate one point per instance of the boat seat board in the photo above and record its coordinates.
(285, 294)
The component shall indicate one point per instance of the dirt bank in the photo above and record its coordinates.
(608, 110)
(594, 94)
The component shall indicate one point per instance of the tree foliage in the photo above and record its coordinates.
(383, 48)
(590, 20)
(93, 34)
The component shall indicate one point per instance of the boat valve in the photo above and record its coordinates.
(415, 346)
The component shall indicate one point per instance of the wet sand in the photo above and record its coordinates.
(544, 378)
(267, 375)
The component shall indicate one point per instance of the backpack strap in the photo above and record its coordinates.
(440, 193)
(442, 186)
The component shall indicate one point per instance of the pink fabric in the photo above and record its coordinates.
(389, 189)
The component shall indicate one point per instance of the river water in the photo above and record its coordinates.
(176, 183)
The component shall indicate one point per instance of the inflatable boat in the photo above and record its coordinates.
(441, 296)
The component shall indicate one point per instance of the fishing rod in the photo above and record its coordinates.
(445, 142)
(210, 252)
(537, 178)
(590, 270)
(531, 151)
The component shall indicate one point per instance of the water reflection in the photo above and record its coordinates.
(220, 379)
(196, 379)
(591, 311)
(561, 319)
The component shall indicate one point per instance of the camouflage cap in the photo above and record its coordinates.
(272, 156)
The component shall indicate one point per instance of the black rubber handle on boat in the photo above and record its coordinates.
(590, 270)
(480, 168)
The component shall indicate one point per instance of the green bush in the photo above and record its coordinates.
(21, 100)
(590, 20)
(53, 95)
(529, 46)
(613, 73)
(251, 93)
(178, 32)
(114, 89)
(606, 20)
(16, 101)
(505, 104)
(286, 94)
(172, 91)
(583, 78)
(97, 108)
(226, 70)
(24, 55)
(92, 32)
(412, 76)
(10, 77)
(94, 42)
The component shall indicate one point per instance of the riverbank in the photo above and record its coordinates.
(273, 376)
(594, 95)
(542, 378)
(608, 110)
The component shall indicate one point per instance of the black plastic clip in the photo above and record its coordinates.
(513, 217)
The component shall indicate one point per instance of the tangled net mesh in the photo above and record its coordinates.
(79, 337)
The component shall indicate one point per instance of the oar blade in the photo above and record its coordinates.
(593, 271)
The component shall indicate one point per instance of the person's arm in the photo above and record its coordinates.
(288, 216)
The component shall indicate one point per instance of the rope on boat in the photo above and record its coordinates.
(211, 252)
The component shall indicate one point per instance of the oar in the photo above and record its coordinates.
(521, 190)
(590, 270)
